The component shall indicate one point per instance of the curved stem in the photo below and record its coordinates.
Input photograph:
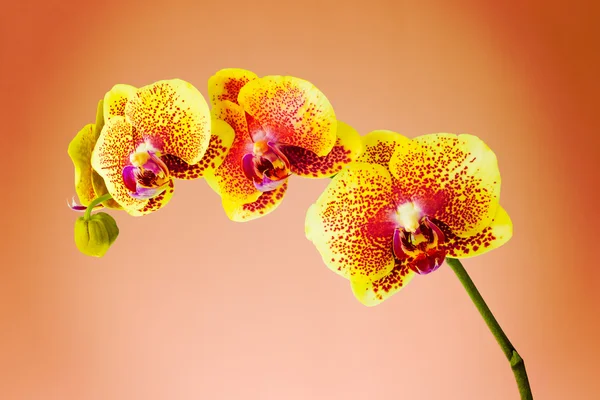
(94, 203)
(516, 362)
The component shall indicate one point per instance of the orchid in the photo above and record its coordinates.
(283, 125)
(395, 207)
(143, 139)
(404, 206)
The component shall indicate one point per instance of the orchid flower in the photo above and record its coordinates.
(283, 126)
(395, 207)
(143, 139)
(404, 206)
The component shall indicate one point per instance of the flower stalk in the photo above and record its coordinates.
(516, 361)
(94, 203)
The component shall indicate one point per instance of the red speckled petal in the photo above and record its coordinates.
(173, 116)
(227, 83)
(307, 164)
(379, 146)
(451, 178)
(491, 237)
(266, 203)
(116, 99)
(116, 142)
(290, 111)
(229, 179)
(351, 223)
(373, 293)
(220, 143)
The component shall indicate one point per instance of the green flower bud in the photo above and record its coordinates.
(94, 236)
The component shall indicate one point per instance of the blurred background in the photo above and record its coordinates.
(188, 305)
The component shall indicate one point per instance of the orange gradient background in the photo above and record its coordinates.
(188, 305)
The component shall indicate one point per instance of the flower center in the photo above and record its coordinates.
(148, 176)
(266, 166)
(419, 238)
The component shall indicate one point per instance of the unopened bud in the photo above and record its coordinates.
(94, 236)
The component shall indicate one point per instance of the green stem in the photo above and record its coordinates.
(516, 362)
(94, 203)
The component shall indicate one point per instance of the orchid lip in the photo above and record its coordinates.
(428, 262)
(148, 193)
(266, 166)
(422, 245)
(147, 177)
(267, 184)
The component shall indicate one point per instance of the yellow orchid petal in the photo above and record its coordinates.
(491, 237)
(173, 116)
(97, 181)
(266, 203)
(350, 224)
(290, 111)
(110, 156)
(80, 150)
(116, 98)
(307, 164)
(212, 181)
(88, 184)
(450, 178)
(227, 83)
(373, 293)
(233, 185)
(221, 139)
(379, 147)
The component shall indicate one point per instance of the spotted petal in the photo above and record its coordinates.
(379, 147)
(221, 139)
(491, 237)
(307, 164)
(265, 204)
(351, 223)
(97, 181)
(451, 178)
(227, 83)
(173, 116)
(229, 179)
(373, 293)
(290, 111)
(115, 100)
